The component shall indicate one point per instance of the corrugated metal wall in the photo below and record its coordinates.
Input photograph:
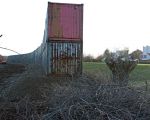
(62, 48)
(65, 57)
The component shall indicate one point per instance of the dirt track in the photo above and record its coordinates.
(7, 70)
(8, 74)
(18, 80)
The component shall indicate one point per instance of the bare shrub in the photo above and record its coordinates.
(106, 102)
(121, 65)
(110, 102)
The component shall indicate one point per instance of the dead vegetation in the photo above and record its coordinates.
(80, 98)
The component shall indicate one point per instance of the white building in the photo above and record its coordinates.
(146, 53)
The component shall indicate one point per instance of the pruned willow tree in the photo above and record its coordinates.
(121, 65)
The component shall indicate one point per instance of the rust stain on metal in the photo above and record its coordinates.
(56, 29)
(66, 58)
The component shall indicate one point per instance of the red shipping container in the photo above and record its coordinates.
(65, 21)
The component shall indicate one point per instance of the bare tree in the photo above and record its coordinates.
(121, 65)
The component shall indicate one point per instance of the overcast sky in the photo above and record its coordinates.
(112, 24)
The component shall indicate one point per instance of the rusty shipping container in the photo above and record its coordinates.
(65, 21)
(65, 37)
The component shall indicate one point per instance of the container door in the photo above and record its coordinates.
(65, 58)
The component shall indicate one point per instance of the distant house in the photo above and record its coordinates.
(146, 53)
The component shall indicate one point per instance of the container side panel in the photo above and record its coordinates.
(65, 21)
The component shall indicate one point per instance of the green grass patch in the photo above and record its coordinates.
(94, 66)
(98, 71)
(140, 74)
(137, 77)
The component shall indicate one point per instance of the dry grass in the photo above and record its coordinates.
(76, 101)
(80, 98)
